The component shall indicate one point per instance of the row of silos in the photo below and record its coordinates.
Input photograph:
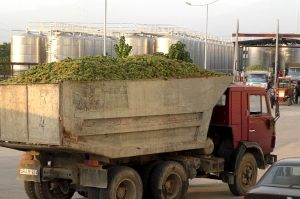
(219, 56)
(266, 56)
(53, 47)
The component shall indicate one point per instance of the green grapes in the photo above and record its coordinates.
(99, 68)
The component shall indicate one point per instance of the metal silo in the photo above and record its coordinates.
(264, 56)
(163, 44)
(81, 46)
(89, 46)
(27, 47)
(63, 45)
(152, 42)
(98, 46)
(110, 46)
(288, 55)
(140, 44)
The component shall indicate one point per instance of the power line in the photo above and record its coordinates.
(8, 25)
(4, 30)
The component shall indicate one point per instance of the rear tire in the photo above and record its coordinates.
(51, 190)
(83, 193)
(123, 183)
(145, 173)
(246, 175)
(93, 193)
(169, 181)
(29, 189)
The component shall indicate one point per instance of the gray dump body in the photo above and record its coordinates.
(110, 118)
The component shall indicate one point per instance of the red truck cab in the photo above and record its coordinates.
(242, 128)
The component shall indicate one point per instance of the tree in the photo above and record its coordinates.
(122, 50)
(4, 54)
(177, 51)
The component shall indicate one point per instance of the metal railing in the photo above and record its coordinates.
(118, 29)
(10, 69)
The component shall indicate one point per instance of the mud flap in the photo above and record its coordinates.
(29, 172)
(93, 177)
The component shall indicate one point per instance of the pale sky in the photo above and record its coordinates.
(255, 16)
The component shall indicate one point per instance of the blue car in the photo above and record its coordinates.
(281, 181)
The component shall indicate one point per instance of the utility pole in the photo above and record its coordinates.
(236, 51)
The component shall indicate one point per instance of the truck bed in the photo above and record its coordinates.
(110, 118)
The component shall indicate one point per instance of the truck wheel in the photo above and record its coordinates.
(246, 175)
(145, 173)
(168, 181)
(29, 189)
(93, 193)
(83, 193)
(57, 189)
(123, 183)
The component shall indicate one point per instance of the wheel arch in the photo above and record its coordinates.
(247, 147)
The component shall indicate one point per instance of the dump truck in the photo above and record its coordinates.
(134, 139)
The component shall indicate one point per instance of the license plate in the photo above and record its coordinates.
(29, 172)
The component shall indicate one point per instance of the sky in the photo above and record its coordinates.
(254, 16)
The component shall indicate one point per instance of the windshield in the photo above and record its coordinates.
(257, 78)
(294, 71)
(283, 83)
(282, 176)
(294, 74)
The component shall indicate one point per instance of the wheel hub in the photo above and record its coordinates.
(169, 186)
(121, 192)
(247, 175)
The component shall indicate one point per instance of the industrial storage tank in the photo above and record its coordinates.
(199, 56)
(27, 47)
(287, 55)
(98, 45)
(152, 42)
(87, 46)
(266, 56)
(163, 44)
(63, 45)
(110, 42)
(259, 56)
(140, 44)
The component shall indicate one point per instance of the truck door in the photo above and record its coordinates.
(258, 122)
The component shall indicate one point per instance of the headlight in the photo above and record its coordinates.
(264, 85)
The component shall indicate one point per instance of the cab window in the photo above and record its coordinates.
(258, 105)
(222, 101)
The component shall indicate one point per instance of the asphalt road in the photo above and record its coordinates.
(288, 142)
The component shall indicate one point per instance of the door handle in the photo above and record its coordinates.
(251, 130)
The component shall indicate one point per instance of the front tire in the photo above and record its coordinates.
(169, 181)
(52, 190)
(246, 175)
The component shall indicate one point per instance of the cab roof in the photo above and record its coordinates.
(237, 86)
